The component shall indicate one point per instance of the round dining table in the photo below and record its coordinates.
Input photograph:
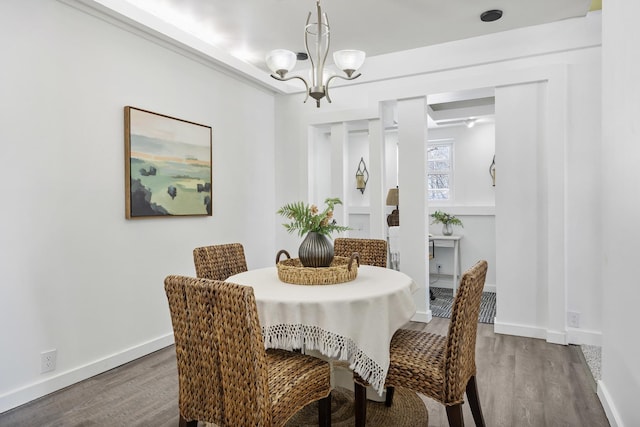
(352, 321)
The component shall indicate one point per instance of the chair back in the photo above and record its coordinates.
(460, 363)
(219, 262)
(371, 251)
(222, 371)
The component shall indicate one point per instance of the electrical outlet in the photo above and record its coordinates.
(48, 361)
(573, 319)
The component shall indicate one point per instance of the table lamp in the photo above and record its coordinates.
(393, 199)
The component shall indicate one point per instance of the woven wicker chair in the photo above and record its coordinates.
(371, 251)
(439, 367)
(225, 375)
(219, 262)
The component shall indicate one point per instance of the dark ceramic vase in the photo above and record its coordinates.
(315, 250)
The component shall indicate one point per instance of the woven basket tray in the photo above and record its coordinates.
(342, 269)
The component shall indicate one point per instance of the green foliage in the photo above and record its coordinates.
(305, 218)
(445, 218)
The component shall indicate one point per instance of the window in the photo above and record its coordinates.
(440, 171)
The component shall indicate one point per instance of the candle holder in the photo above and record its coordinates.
(492, 170)
(362, 176)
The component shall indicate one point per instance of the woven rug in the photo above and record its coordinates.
(407, 410)
(441, 306)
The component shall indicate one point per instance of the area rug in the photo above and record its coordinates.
(407, 410)
(593, 357)
(441, 306)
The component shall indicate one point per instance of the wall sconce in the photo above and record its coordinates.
(362, 176)
(492, 170)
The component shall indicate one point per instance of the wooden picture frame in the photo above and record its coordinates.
(167, 166)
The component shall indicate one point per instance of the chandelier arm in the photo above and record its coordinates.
(355, 76)
(326, 52)
(306, 45)
(284, 79)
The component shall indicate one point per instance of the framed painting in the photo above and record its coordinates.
(167, 166)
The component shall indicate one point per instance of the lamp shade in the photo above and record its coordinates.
(281, 61)
(349, 59)
(393, 197)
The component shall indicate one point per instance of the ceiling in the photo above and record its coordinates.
(249, 29)
(240, 33)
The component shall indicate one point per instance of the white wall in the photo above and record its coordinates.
(358, 148)
(473, 152)
(474, 200)
(570, 68)
(473, 203)
(620, 210)
(358, 202)
(77, 276)
(355, 203)
(320, 164)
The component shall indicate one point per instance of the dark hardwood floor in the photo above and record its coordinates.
(521, 381)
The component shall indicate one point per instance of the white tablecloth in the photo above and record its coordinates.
(351, 321)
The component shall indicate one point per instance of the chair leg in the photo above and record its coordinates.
(388, 400)
(454, 415)
(184, 423)
(324, 411)
(474, 402)
(360, 404)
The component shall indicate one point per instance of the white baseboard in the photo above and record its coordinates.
(571, 336)
(20, 396)
(555, 337)
(422, 316)
(584, 337)
(519, 330)
(609, 407)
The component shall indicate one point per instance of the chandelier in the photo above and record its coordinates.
(281, 61)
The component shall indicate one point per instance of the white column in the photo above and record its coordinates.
(412, 180)
(377, 196)
(519, 220)
(554, 112)
(530, 210)
(339, 180)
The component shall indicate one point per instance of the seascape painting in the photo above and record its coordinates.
(168, 166)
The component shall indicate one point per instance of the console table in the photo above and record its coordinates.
(457, 268)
